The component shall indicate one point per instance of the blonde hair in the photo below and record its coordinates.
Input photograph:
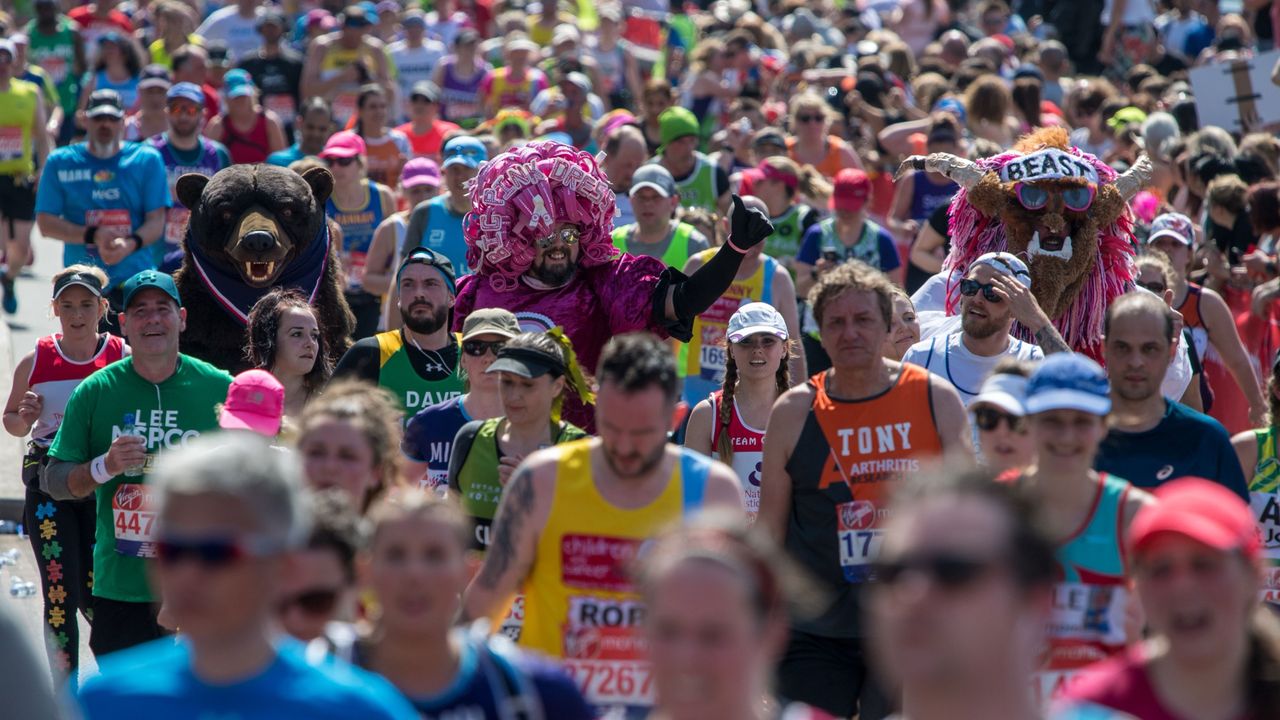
(808, 100)
(402, 503)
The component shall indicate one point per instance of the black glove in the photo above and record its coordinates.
(748, 227)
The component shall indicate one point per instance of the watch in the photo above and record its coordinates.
(89, 232)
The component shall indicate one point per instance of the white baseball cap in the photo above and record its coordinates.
(756, 317)
(1005, 391)
(1174, 225)
(1005, 264)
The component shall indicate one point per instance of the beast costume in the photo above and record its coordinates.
(526, 193)
(1062, 210)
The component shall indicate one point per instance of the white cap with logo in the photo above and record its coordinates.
(754, 318)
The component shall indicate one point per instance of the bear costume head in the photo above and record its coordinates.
(1062, 210)
(252, 228)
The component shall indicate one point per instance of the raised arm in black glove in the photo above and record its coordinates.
(690, 297)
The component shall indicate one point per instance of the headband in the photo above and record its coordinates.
(1048, 164)
(769, 172)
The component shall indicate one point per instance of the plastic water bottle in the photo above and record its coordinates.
(20, 588)
(128, 429)
(9, 527)
(9, 557)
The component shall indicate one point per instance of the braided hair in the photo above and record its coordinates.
(782, 383)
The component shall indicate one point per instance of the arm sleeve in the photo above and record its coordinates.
(360, 361)
(462, 443)
(55, 479)
(808, 253)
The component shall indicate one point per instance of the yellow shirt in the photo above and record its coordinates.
(17, 114)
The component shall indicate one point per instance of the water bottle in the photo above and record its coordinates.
(20, 588)
(9, 557)
(128, 429)
(8, 527)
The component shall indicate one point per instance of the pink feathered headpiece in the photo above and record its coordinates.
(519, 196)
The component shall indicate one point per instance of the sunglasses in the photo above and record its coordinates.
(1034, 197)
(184, 111)
(969, 288)
(1155, 287)
(318, 601)
(569, 235)
(946, 570)
(342, 161)
(988, 419)
(477, 348)
(810, 118)
(208, 553)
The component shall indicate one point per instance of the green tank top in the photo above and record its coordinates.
(396, 373)
(788, 231)
(699, 189)
(56, 55)
(1264, 500)
(477, 481)
(677, 253)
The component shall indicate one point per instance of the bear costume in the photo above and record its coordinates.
(252, 228)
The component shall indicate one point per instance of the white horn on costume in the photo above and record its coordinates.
(963, 172)
(1135, 178)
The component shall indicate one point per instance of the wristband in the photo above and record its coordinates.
(137, 239)
(98, 469)
(729, 241)
(89, 232)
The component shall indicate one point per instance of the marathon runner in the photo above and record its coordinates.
(24, 147)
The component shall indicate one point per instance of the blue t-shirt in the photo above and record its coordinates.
(116, 192)
(444, 234)
(811, 246)
(284, 157)
(1184, 443)
(486, 678)
(428, 438)
(155, 680)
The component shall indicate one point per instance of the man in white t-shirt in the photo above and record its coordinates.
(994, 293)
(413, 58)
(236, 26)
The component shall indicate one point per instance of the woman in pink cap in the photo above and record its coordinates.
(419, 182)
(358, 205)
(1213, 651)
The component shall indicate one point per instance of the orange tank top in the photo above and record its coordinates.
(831, 163)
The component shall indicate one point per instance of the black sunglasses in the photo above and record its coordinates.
(477, 348)
(969, 288)
(318, 601)
(209, 553)
(810, 118)
(988, 419)
(947, 570)
(343, 161)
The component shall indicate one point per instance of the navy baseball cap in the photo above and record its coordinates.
(150, 279)
(1068, 381)
(427, 256)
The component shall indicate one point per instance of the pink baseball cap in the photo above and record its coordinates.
(255, 401)
(420, 171)
(343, 144)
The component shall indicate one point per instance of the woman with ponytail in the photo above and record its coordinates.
(786, 187)
(730, 424)
(534, 372)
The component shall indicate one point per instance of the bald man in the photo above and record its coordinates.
(624, 151)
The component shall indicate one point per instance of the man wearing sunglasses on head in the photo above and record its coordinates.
(229, 514)
(1153, 439)
(419, 362)
(184, 151)
(993, 294)
(962, 598)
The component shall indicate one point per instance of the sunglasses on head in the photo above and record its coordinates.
(988, 419)
(342, 161)
(969, 288)
(208, 553)
(948, 571)
(569, 235)
(1034, 197)
(477, 348)
(317, 601)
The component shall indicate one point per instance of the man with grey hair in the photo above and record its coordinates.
(229, 511)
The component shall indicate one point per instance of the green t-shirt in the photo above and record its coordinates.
(167, 415)
(56, 55)
(476, 480)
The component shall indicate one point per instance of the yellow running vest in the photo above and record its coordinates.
(17, 113)
(580, 605)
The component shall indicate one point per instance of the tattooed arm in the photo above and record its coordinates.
(1027, 311)
(521, 515)
(1050, 340)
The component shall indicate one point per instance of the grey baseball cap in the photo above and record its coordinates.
(653, 176)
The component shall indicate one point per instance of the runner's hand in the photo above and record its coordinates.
(748, 226)
(507, 466)
(126, 451)
(115, 249)
(29, 407)
(1023, 304)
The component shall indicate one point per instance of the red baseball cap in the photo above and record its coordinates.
(343, 144)
(852, 190)
(1201, 510)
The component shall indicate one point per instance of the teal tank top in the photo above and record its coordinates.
(1095, 552)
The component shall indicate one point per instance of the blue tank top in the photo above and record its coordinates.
(128, 89)
(444, 235)
(928, 196)
(357, 226)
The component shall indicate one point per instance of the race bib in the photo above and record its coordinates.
(10, 143)
(355, 268)
(605, 653)
(55, 66)
(116, 221)
(513, 622)
(175, 224)
(281, 105)
(860, 538)
(134, 520)
(1087, 625)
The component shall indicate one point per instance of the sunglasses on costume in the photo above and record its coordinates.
(477, 348)
(317, 601)
(969, 288)
(949, 571)
(988, 419)
(569, 235)
(209, 553)
(1033, 197)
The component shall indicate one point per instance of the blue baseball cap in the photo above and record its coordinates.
(953, 106)
(464, 150)
(187, 91)
(1068, 381)
(150, 279)
(238, 83)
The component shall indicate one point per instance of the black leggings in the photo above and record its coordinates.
(62, 534)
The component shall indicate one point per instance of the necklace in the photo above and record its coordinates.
(437, 360)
